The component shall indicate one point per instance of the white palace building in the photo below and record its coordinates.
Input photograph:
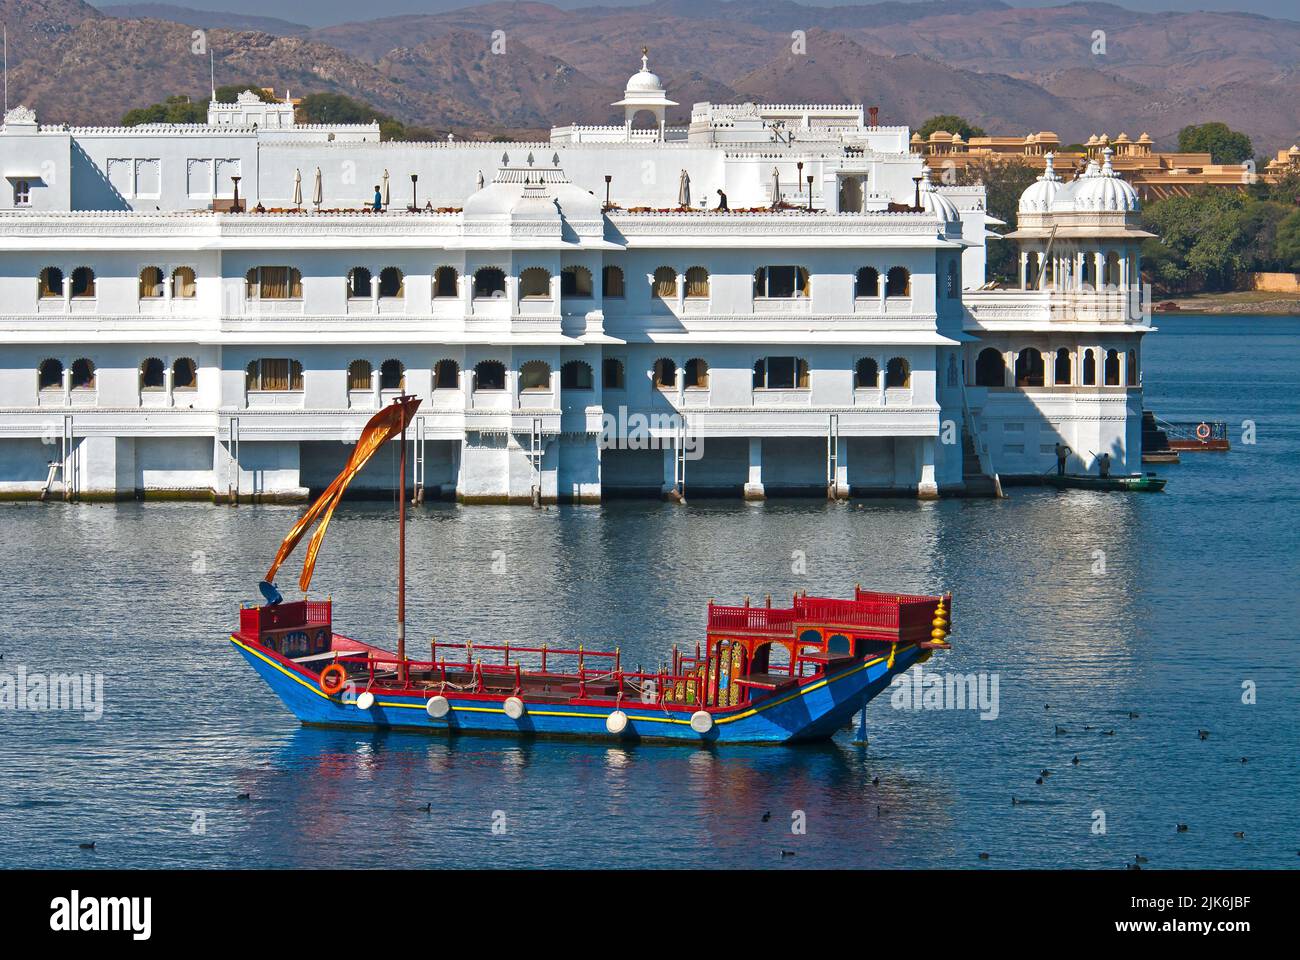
(215, 310)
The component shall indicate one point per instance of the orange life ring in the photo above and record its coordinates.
(333, 670)
(1203, 431)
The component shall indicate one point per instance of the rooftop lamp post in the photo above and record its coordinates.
(608, 178)
(414, 205)
(799, 178)
(234, 203)
(810, 181)
(917, 180)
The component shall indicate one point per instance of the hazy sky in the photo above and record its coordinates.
(322, 12)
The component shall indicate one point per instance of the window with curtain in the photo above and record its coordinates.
(444, 282)
(612, 374)
(152, 374)
(274, 283)
(274, 373)
(51, 283)
(184, 286)
(151, 283)
(83, 374)
(490, 375)
(392, 375)
(392, 284)
(898, 373)
(535, 284)
(535, 375)
(665, 373)
(575, 375)
(489, 282)
(49, 375)
(359, 375)
(575, 282)
(697, 283)
(446, 375)
(781, 373)
(83, 282)
(866, 375)
(358, 283)
(697, 374)
(665, 283)
(898, 282)
(612, 281)
(867, 283)
(185, 374)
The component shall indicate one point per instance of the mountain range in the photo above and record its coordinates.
(1076, 69)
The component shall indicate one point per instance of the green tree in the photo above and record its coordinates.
(1221, 143)
(175, 109)
(1201, 239)
(952, 123)
(1286, 246)
(1004, 181)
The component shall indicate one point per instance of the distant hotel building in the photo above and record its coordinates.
(213, 310)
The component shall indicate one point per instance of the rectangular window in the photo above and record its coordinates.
(275, 374)
(274, 283)
(781, 283)
(781, 373)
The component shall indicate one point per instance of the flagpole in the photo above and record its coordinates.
(401, 553)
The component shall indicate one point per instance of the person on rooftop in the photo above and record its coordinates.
(722, 202)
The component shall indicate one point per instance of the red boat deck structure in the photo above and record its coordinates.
(749, 651)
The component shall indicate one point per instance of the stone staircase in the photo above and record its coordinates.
(977, 482)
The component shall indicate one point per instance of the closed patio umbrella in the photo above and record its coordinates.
(317, 194)
(776, 186)
(383, 188)
(297, 188)
(684, 190)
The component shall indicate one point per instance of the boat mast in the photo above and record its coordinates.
(401, 552)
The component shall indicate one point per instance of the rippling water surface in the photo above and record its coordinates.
(1197, 598)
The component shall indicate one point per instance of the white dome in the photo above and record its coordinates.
(934, 202)
(1104, 190)
(643, 81)
(1038, 196)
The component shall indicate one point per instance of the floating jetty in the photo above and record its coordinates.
(1164, 440)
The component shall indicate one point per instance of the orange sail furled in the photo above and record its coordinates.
(383, 426)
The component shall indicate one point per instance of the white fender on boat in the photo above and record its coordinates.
(616, 722)
(701, 721)
(514, 708)
(365, 701)
(438, 707)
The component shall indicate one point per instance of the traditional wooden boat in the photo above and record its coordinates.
(1131, 482)
(764, 674)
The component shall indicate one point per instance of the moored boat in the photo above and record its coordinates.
(1132, 482)
(764, 674)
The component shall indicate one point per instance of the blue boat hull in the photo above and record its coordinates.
(812, 711)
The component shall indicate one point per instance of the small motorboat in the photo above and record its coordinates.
(1130, 482)
(764, 674)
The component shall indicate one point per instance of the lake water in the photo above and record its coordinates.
(1195, 609)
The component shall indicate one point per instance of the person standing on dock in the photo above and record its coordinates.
(1062, 452)
(1103, 465)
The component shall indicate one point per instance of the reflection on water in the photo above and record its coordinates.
(1087, 606)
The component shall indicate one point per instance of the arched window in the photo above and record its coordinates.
(665, 374)
(1089, 369)
(1030, 371)
(185, 374)
(1112, 368)
(184, 286)
(612, 374)
(665, 284)
(866, 375)
(151, 283)
(392, 284)
(898, 282)
(490, 282)
(359, 372)
(612, 281)
(953, 286)
(152, 374)
(781, 373)
(781, 283)
(1111, 278)
(444, 282)
(359, 283)
(898, 373)
(535, 284)
(867, 284)
(392, 375)
(1063, 371)
(697, 283)
(1133, 379)
(697, 374)
(576, 375)
(274, 373)
(446, 375)
(49, 375)
(51, 282)
(990, 369)
(490, 375)
(535, 375)
(1088, 272)
(575, 281)
(274, 283)
(83, 282)
(83, 374)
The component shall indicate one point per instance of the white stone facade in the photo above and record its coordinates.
(564, 350)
